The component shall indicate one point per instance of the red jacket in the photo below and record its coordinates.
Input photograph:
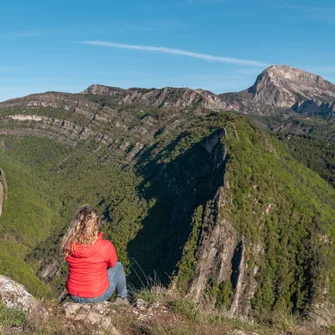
(88, 277)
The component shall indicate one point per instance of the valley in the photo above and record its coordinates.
(228, 198)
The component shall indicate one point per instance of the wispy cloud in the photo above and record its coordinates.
(177, 52)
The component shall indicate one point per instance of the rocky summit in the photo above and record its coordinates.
(286, 87)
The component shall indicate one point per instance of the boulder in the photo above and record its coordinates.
(14, 295)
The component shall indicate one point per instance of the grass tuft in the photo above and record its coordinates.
(187, 308)
(11, 317)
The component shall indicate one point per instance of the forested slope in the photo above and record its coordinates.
(220, 205)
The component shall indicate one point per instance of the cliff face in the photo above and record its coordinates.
(221, 257)
(217, 243)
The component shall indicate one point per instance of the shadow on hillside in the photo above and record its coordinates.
(175, 189)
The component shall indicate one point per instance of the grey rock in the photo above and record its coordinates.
(240, 332)
(167, 97)
(286, 87)
(141, 304)
(13, 330)
(99, 315)
(14, 295)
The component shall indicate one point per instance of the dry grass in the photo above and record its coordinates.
(165, 314)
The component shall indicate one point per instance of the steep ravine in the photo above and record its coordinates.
(180, 180)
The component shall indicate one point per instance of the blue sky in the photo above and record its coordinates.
(219, 45)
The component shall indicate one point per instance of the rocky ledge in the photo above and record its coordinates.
(151, 317)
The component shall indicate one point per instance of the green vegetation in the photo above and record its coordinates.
(276, 203)
(187, 264)
(11, 318)
(188, 308)
(288, 208)
(46, 183)
(309, 140)
(29, 212)
(222, 293)
(154, 205)
(12, 264)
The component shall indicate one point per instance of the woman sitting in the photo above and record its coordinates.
(94, 272)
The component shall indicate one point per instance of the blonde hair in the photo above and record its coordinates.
(84, 230)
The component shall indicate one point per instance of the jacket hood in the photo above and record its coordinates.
(84, 251)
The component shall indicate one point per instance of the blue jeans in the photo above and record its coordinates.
(117, 280)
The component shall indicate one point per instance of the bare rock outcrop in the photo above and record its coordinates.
(99, 315)
(96, 89)
(216, 249)
(285, 87)
(167, 97)
(14, 295)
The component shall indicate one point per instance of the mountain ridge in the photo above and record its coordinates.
(278, 87)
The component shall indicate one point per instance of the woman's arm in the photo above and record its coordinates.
(111, 255)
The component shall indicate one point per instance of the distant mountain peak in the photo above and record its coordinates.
(97, 89)
(283, 86)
